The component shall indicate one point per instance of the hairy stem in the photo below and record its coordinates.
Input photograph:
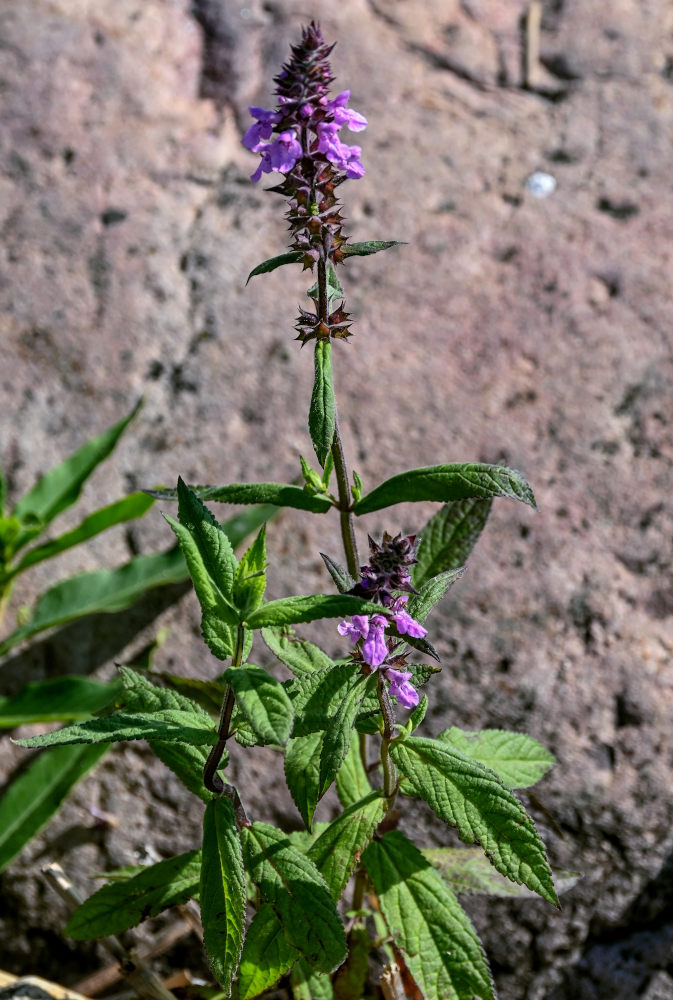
(211, 778)
(389, 773)
(340, 467)
(346, 514)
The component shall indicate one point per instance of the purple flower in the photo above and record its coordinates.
(262, 129)
(353, 120)
(358, 629)
(281, 154)
(406, 625)
(400, 687)
(374, 649)
(337, 152)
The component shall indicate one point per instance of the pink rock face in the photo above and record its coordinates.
(536, 332)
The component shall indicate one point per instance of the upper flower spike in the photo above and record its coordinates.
(300, 140)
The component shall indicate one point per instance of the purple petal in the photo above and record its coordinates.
(400, 688)
(406, 625)
(374, 649)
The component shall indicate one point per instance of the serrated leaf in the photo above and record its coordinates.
(300, 655)
(263, 701)
(418, 714)
(59, 488)
(185, 760)
(30, 800)
(337, 850)
(101, 591)
(369, 247)
(250, 580)
(291, 257)
(315, 698)
(420, 605)
(338, 732)
(302, 772)
(440, 945)
(62, 699)
(467, 795)
(211, 540)
(127, 509)
(275, 494)
(123, 904)
(308, 608)
(455, 481)
(352, 782)
(342, 578)
(449, 537)
(222, 891)
(208, 694)
(167, 726)
(267, 954)
(322, 413)
(294, 887)
(309, 985)
(468, 870)
(517, 759)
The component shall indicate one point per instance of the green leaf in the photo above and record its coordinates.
(420, 605)
(440, 945)
(456, 481)
(211, 541)
(123, 904)
(302, 772)
(290, 610)
(275, 494)
(267, 954)
(300, 655)
(337, 850)
(517, 759)
(101, 591)
(263, 702)
(208, 694)
(308, 985)
(63, 699)
(322, 413)
(370, 247)
(316, 697)
(291, 257)
(59, 488)
(250, 581)
(222, 891)
(29, 802)
(127, 509)
(467, 870)
(337, 737)
(352, 782)
(185, 760)
(342, 578)
(294, 887)
(168, 726)
(418, 714)
(467, 795)
(449, 537)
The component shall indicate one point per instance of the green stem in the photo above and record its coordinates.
(211, 778)
(389, 773)
(345, 513)
(340, 467)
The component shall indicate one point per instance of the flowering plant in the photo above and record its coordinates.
(272, 902)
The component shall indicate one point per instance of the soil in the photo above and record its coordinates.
(532, 331)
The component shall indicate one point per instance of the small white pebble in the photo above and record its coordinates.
(541, 184)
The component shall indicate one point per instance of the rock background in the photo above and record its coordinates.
(530, 331)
